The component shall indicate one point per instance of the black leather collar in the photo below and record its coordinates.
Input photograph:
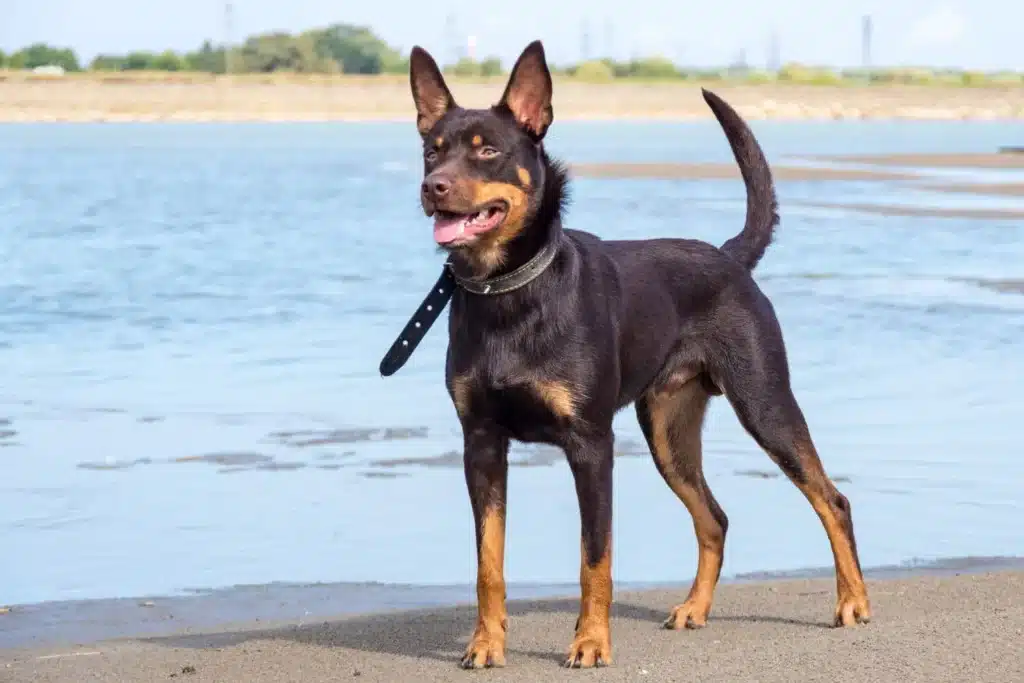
(421, 321)
(439, 296)
(520, 277)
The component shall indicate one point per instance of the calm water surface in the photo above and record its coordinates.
(191, 319)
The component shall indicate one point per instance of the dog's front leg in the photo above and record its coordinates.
(591, 464)
(486, 462)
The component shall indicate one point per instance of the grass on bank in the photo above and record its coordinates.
(596, 73)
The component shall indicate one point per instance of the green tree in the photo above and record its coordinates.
(107, 63)
(268, 53)
(465, 68)
(357, 49)
(207, 58)
(3, 60)
(491, 66)
(281, 51)
(138, 61)
(168, 60)
(41, 54)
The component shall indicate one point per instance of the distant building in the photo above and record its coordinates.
(49, 70)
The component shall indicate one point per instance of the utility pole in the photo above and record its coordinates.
(865, 41)
(585, 41)
(229, 12)
(773, 62)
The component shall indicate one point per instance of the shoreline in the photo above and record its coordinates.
(952, 626)
(236, 100)
(60, 623)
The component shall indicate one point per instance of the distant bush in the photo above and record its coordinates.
(806, 75)
(973, 78)
(467, 67)
(594, 71)
(906, 76)
(1006, 78)
(491, 67)
(703, 74)
(654, 68)
(759, 77)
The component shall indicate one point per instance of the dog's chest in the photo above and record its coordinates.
(529, 409)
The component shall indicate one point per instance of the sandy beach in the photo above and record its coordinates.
(925, 629)
(91, 97)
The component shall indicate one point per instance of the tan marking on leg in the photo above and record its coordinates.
(487, 647)
(852, 604)
(592, 645)
(677, 416)
(558, 397)
(461, 390)
(524, 176)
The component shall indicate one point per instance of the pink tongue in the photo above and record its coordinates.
(448, 230)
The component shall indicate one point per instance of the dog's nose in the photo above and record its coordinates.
(436, 187)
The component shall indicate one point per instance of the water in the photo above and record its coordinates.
(191, 319)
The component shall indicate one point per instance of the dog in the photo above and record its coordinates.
(552, 331)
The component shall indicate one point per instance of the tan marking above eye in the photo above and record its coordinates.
(524, 176)
(477, 141)
(439, 141)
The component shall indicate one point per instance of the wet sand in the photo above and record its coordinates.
(846, 171)
(924, 211)
(713, 171)
(927, 628)
(864, 173)
(991, 189)
(192, 97)
(974, 160)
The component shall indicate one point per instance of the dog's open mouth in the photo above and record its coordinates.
(454, 229)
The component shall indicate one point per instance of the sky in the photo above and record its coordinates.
(976, 34)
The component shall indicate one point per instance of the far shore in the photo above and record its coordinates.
(90, 98)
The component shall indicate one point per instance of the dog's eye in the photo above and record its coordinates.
(488, 153)
(430, 156)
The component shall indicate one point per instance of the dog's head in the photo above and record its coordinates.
(483, 168)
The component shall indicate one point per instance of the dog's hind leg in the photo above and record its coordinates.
(671, 419)
(752, 369)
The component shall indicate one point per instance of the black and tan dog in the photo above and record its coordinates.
(552, 331)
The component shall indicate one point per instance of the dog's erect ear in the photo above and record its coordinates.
(528, 93)
(429, 92)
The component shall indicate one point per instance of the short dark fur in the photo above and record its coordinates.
(662, 323)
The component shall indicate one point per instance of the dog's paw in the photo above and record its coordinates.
(691, 614)
(485, 650)
(852, 610)
(590, 648)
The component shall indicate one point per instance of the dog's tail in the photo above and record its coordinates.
(762, 206)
